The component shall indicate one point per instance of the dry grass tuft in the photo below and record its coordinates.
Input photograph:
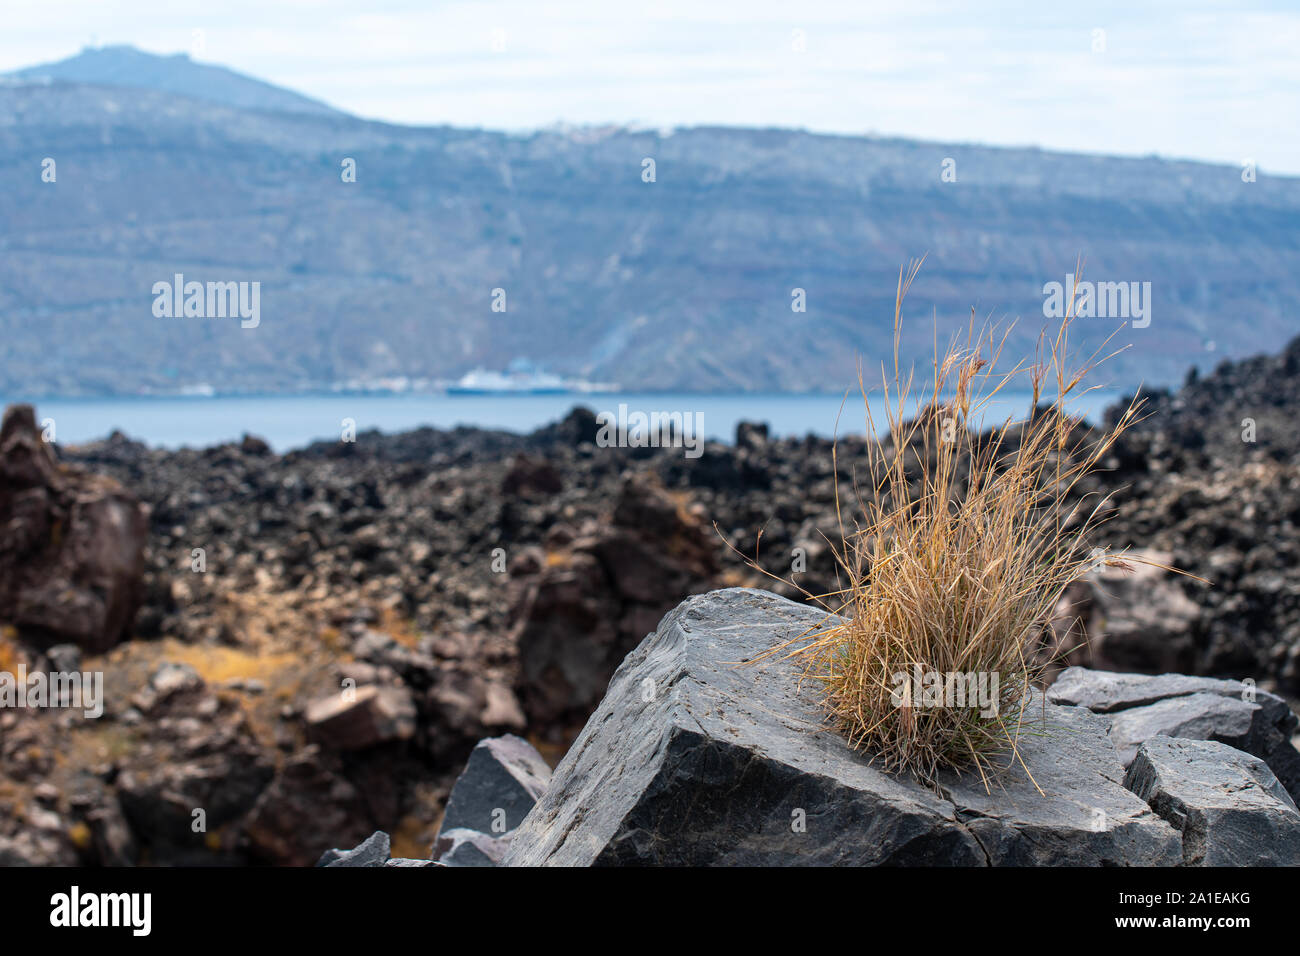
(956, 557)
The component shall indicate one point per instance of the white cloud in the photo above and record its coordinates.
(1186, 78)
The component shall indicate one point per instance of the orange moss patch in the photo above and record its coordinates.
(412, 839)
(11, 655)
(737, 578)
(79, 835)
(217, 664)
(332, 639)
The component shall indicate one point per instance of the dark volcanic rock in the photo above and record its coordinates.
(461, 847)
(1105, 692)
(362, 718)
(1229, 807)
(693, 760)
(203, 756)
(531, 477)
(1197, 717)
(399, 561)
(1212, 476)
(1133, 620)
(502, 780)
(373, 852)
(579, 618)
(307, 806)
(402, 862)
(379, 562)
(1200, 708)
(71, 544)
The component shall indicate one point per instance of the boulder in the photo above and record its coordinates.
(64, 658)
(576, 620)
(1197, 716)
(1127, 619)
(366, 717)
(203, 754)
(114, 843)
(1229, 807)
(71, 544)
(1105, 692)
(169, 680)
(309, 804)
(569, 640)
(502, 780)
(698, 755)
(1201, 708)
(1141, 619)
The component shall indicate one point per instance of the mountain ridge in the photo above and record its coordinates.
(681, 284)
(124, 66)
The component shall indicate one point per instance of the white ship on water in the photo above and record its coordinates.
(521, 377)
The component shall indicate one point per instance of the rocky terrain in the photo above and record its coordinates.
(1212, 478)
(318, 640)
(705, 753)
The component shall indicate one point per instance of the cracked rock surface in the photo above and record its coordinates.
(693, 760)
(1228, 805)
(1140, 707)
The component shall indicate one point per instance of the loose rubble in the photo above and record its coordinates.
(329, 632)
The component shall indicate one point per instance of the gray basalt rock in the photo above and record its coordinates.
(1082, 817)
(1197, 717)
(693, 760)
(462, 847)
(404, 862)
(374, 851)
(502, 780)
(1201, 708)
(1105, 692)
(1228, 805)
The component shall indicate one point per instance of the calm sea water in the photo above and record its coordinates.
(293, 421)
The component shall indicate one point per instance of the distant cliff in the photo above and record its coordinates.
(685, 283)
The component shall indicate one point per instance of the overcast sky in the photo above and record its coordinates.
(1217, 81)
